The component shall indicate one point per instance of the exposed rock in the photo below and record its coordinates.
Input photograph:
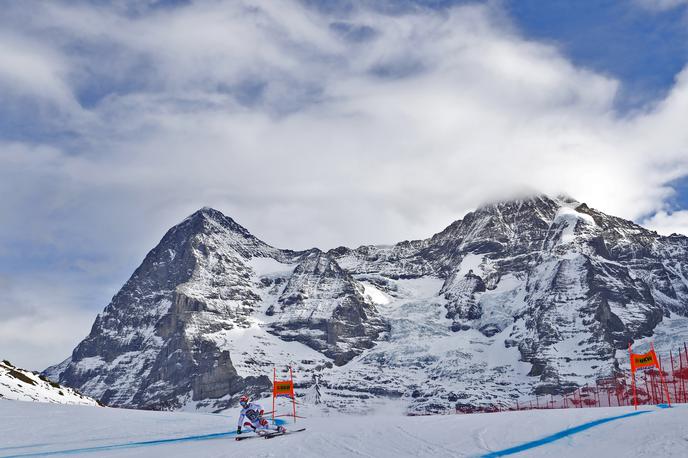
(323, 307)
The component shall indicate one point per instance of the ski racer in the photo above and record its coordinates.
(253, 414)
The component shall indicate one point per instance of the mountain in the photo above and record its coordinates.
(21, 385)
(532, 295)
(163, 340)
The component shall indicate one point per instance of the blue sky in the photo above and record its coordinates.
(644, 48)
(314, 123)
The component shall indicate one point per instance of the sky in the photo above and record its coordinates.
(313, 123)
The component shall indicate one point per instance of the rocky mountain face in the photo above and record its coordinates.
(325, 299)
(534, 295)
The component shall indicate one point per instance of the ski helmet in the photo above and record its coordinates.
(243, 401)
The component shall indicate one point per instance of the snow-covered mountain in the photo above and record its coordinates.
(529, 295)
(22, 385)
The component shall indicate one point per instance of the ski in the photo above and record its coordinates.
(275, 434)
(266, 436)
(241, 438)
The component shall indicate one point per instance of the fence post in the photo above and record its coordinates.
(597, 394)
(680, 376)
(609, 398)
(647, 387)
(274, 378)
(663, 381)
(673, 373)
(660, 392)
(683, 380)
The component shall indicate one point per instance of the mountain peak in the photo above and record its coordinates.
(211, 227)
(207, 217)
(512, 221)
(209, 212)
(531, 199)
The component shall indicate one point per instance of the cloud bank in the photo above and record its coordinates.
(306, 126)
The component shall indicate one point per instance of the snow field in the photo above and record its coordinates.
(34, 429)
(23, 385)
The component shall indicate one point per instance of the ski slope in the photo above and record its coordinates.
(36, 429)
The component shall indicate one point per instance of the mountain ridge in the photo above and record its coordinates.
(529, 295)
(22, 385)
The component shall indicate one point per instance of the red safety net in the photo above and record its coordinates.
(652, 387)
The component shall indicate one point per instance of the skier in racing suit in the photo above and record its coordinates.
(252, 413)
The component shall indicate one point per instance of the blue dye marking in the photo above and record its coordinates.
(150, 443)
(559, 435)
(664, 406)
(16, 447)
(128, 445)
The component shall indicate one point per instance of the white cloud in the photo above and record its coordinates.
(476, 111)
(40, 323)
(309, 137)
(30, 69)
(668, 223)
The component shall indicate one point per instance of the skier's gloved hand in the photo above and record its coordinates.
(239, 430)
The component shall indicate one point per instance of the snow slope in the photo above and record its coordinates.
(22, 385)
(32, 429)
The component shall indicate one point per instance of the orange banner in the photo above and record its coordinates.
(644, 360)
(283, 388)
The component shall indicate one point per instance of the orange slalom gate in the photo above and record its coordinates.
(283, 388)
(642, 360)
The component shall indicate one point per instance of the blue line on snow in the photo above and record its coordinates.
(127, 445)
(559, 435)
(104, 448)
(2, 449)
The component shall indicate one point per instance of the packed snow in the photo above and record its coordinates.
(33, 429)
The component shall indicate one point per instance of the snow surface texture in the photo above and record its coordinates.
(22, 385)
(32, 429)
(535, 295)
